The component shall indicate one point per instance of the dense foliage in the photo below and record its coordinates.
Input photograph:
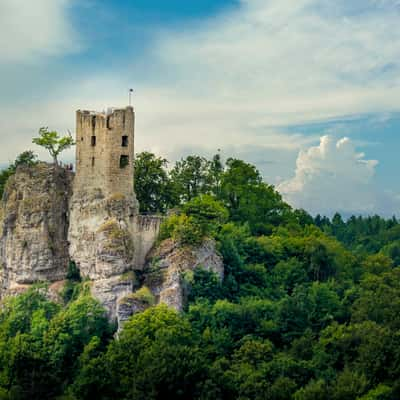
(26, 158)
(309, 309)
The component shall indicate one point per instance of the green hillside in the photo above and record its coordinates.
(309, 308)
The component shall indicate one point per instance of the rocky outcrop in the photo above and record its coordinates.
(45, 223)
(34, 226)
(101, 233)
(111, 290)
(101, 236)
(134, 303)
(170, 261)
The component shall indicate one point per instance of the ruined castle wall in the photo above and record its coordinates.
(104, 206)
(146, 230)
(105, 151)
(103, 193)
(120, 144)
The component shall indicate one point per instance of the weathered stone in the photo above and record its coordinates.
(134, 303)
(34, 227)
(55, 291)
(170, 261)
(101, 238)
(107, 235)
(49, 217)
(111, 290)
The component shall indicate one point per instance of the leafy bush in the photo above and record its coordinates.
(144, 295)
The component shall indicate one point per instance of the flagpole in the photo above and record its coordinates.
(130, 97)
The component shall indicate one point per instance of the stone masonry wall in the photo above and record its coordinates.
(50, 217)
(101, 140)
(105, 229)
(146, 229)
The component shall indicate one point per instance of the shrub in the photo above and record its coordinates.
(144, 295)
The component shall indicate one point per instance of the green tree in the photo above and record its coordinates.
(207, 212)
(236, 181)
(200, 218)
(314, 390)
(156, 356)
(204, 284)
(250, 200)
(152, 185)
(53, 143)
(349, 385)
(314, 306)
(4, 176)
(216, 170)
(379, 299)
(191, 177)
(381, 392)
(26, 158)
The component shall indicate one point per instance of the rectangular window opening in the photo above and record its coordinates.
(125, 141)
(123, 161)
(93, 161)
(93, 141)
(108, 123)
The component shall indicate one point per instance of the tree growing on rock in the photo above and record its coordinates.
(53, 143)
(26, 158)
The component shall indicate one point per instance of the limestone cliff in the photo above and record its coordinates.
(34, 226)
(164, 274)
(101, 233)
(170, 261)
(108, 241)
(46, 221)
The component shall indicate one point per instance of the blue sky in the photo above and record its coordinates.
(309, 91)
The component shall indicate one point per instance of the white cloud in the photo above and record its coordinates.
(333, 176)
(234, 81)
(276, 62)
(34, 28)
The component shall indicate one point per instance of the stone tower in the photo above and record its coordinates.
(108, 239)
(105, 151)
(103, 208)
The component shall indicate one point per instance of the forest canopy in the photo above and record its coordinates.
(309, 308)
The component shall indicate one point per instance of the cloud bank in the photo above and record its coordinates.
(236, 81)
(333, 176)
(32, 29)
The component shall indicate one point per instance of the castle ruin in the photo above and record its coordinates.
(50, 215)
(108, 237)
(105, 151)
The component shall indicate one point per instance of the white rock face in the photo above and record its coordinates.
(111, 290)
(101, 237)
(45, 224)
(170, 261)
(34, 226)
(108, 241)
(101, 233)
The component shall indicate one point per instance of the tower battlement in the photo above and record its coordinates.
(105, 151)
